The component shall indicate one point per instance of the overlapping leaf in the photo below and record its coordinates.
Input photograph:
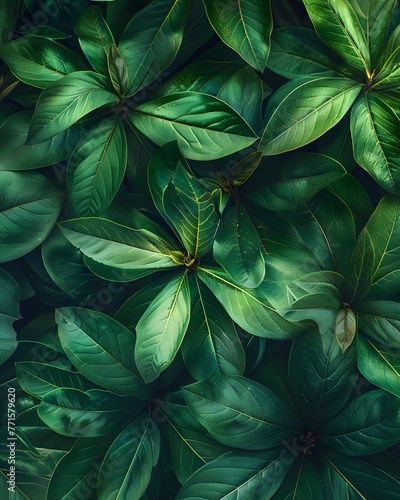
(10, 295)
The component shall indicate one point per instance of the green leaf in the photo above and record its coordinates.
(65, 101)
(237, 248)
(249, 309)
(16, 155)
(370, 423)
(162, 327)
(239, 412)
(61, 15)
(379, 364)
(94, 37)
(339, 27)
(380, 320)
(303, 110)
(321, 377)
(211, 345)
(375, 129)
(10, 295)
(29, 207)
(245, 168)
(226, 477)
(359, 276)
(39, 61)
(93, 413)
(86, 335)
(345, 328)
(389, 76)
(126, 469)
(303, 481)
(97, 167)
(9, 15)
(291, 180)
(245, 26)
(205, 127)
(151, 40)
(118, 246)
(117, 70)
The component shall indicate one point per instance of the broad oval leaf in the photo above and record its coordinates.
(65, 101)
(245, 26)
(205, 127)
(29, 207)
(128, 464)
(97, 167)
(237, 248)
(10, 295)
(370, 423)
(86, 336)
(303, 110)
(239, 412)
(380, 320)
(345, 328)
(161, 329)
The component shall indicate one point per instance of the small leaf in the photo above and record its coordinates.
(117, 70)
(245, 168)
(345, 328)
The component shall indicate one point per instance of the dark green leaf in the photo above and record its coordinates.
(9, 312)
(60, 14)
(380, 320)
(8, 18)
(245, 168)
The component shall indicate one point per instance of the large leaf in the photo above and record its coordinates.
(249, 309)
(370, 423)
(38, 61)
(226, 477)
(245, 26)
(379, 365)
(151, 40)
(375, 129)
(97, 167)
(10, 295)
(211, 344)
(237, 247)
(303, 110)
(95, 37)
(16, 155)
(9, 15)
(339, 27)
(303, 480)
(126, 469)
(118, 246)
(86, 335)
(239, 412)
(162, 327)
(93, 413)
(321, 377)
(205, 127)
(380, 320)
(65, 101)
(29, 207)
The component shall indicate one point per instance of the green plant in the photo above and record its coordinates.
(199, 284)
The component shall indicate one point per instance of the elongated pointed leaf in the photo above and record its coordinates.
(117, 70)
(239, 412)
(162, 327)
(130, 459)
(211, 344)
(249, 309)
(339, 27)
(29, 207)
(359, 278)
(82, 336)
(303, 480)
(151, 40)
(94, 37)
(380, 320)
(379, 365)
(205, 127)
(225, 477)
(305, 111)
(321, 377)
(10, 295)
(345, 328)
(375, 128)
(38, 61)
(118, 246)
(245, 26)
(65, 101)
(71, 412)
(237, 247)
(370, 423)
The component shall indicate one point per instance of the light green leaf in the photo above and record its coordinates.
(303, 110)
(245, 26)
(345, 328)
(245, 168)
(29, 207)
(162, 327)
(97, 167)
(10, 295)
(205, 127)
(65, 101)
(87, 335)
(380, 320)
(389, 76)
(117, 70)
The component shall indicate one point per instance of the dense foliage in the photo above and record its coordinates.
(200, 249)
